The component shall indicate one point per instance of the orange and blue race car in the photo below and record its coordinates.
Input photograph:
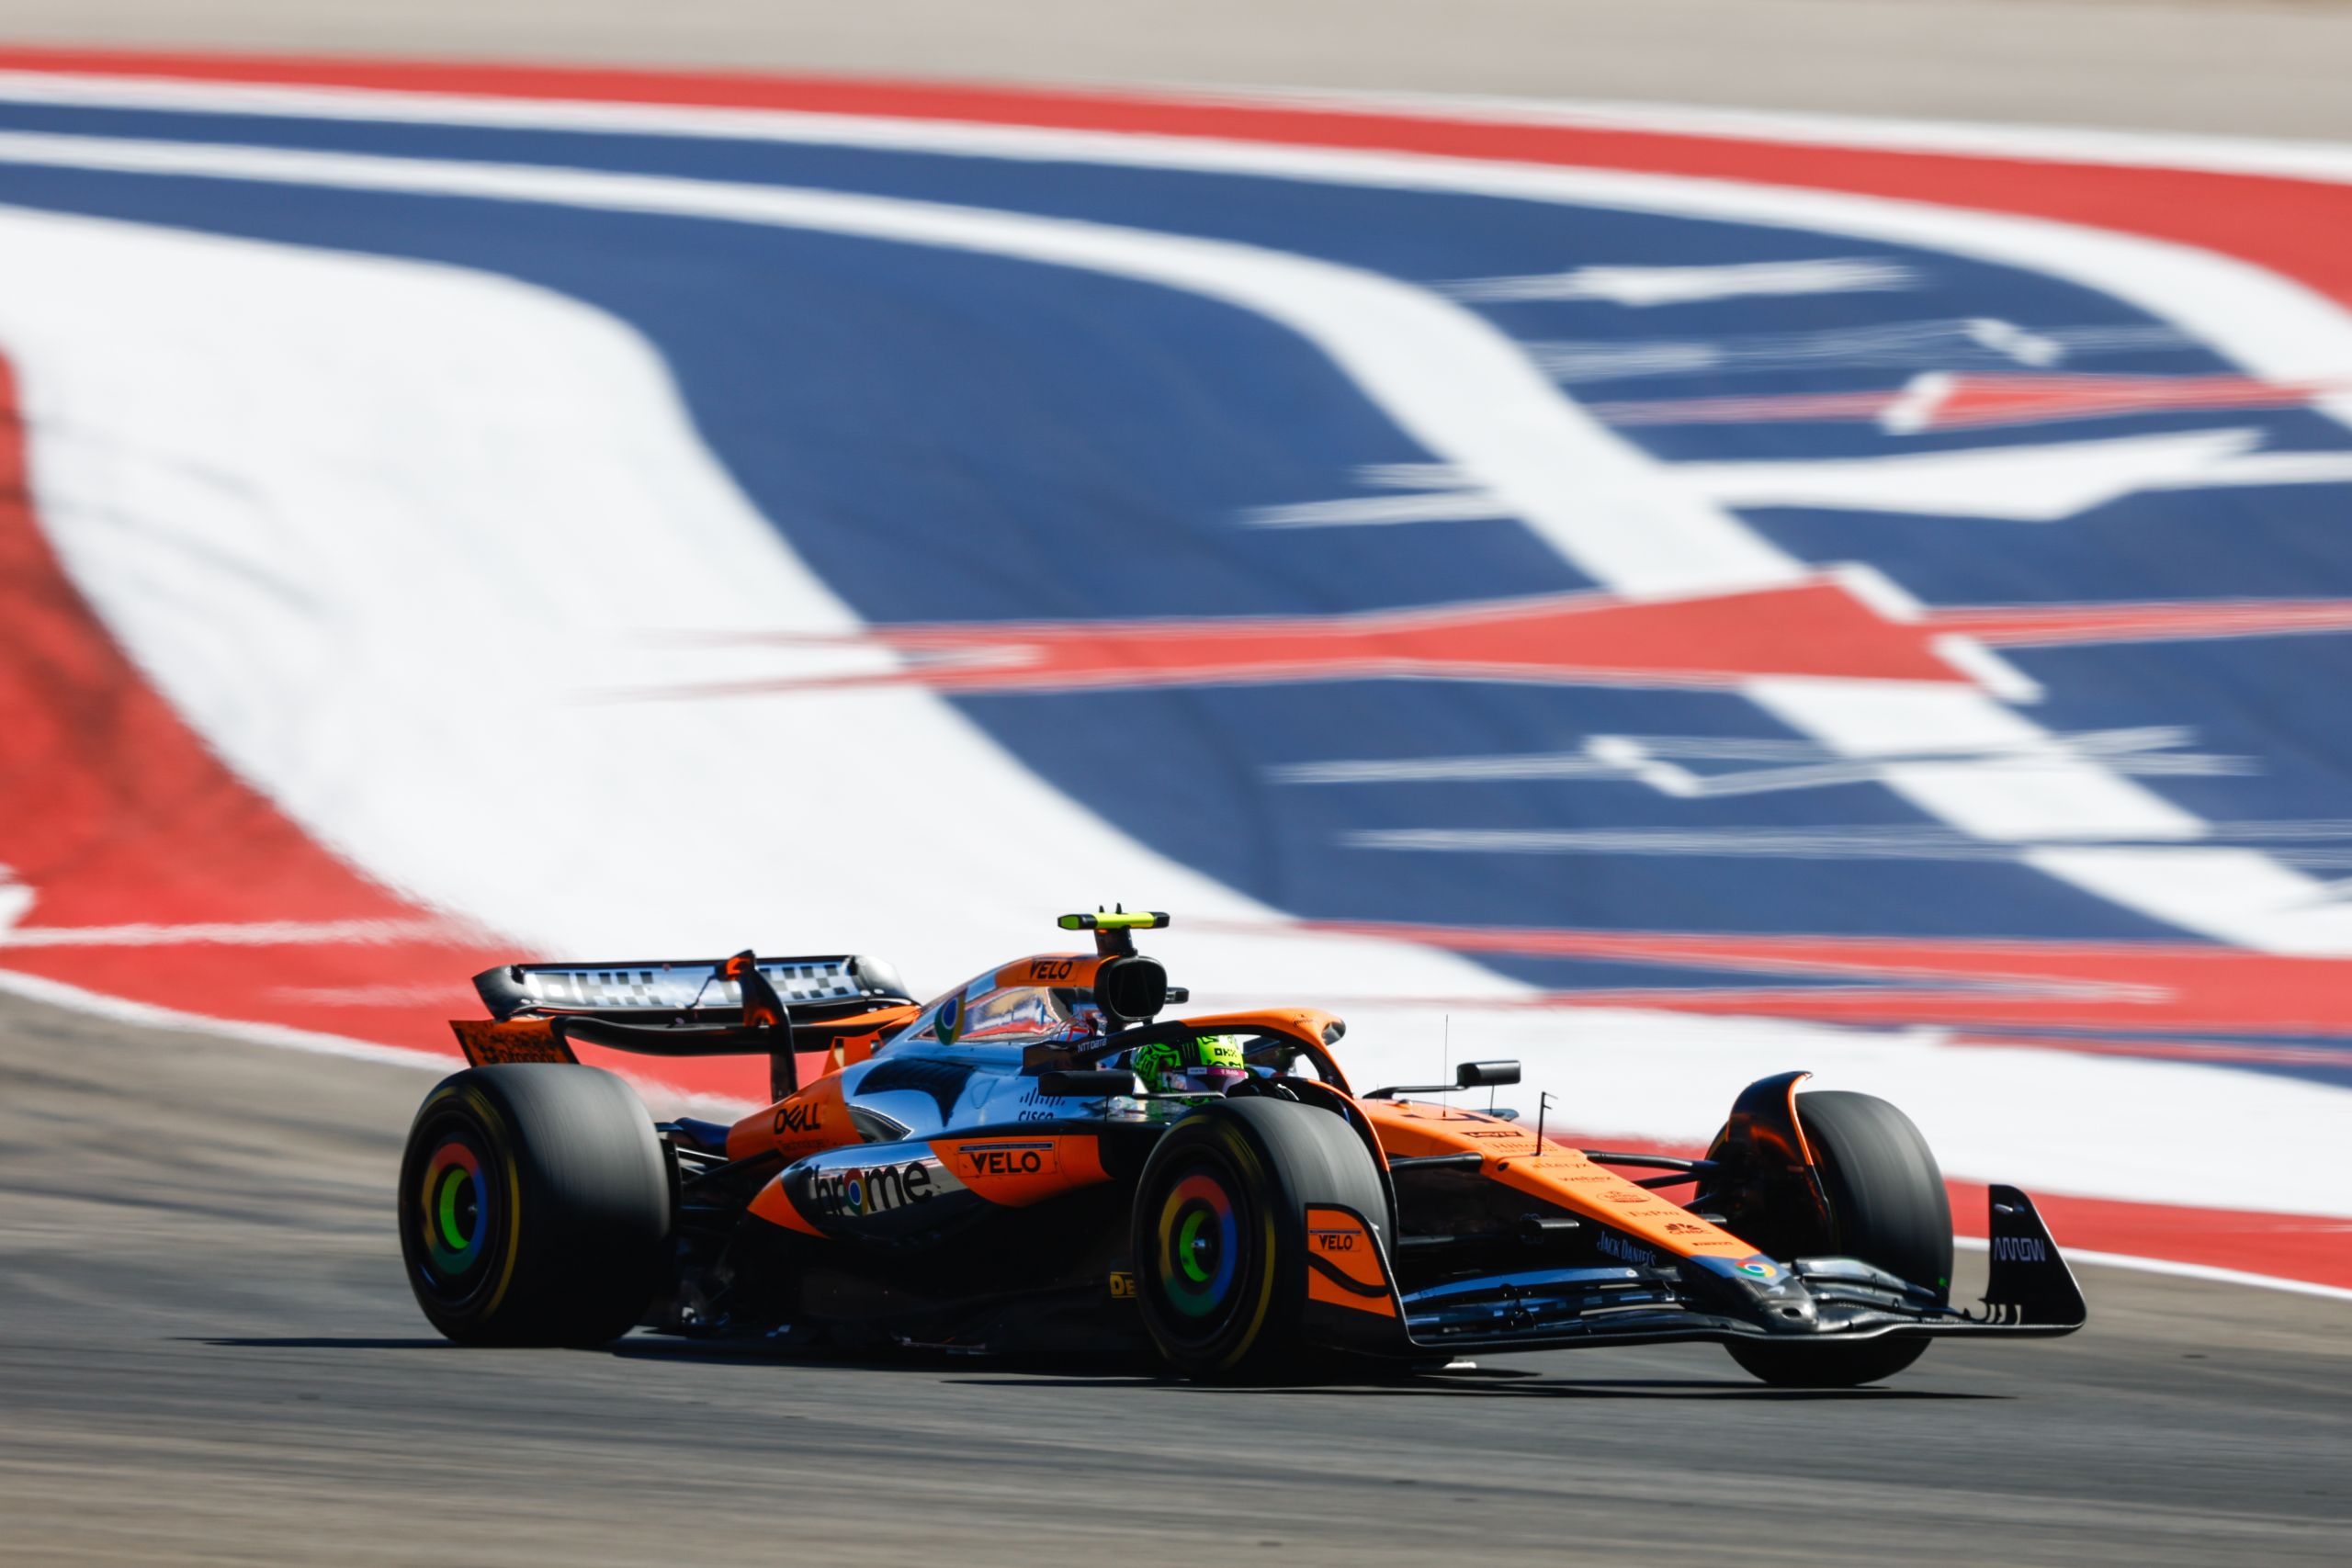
(1037, 1161)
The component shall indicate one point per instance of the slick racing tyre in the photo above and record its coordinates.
(1887, 1207)
(534, 1206)
(1220, 1231)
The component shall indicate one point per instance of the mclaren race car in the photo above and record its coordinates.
(1039, 1161)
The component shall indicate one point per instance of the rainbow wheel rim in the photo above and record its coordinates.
(455, 1210)
(1200, 1246)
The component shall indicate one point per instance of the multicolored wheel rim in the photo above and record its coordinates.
(455, 1208)
(1198, 1240)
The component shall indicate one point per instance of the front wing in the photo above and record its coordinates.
(2031, 1292)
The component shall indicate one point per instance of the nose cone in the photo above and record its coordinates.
(1756, 1290)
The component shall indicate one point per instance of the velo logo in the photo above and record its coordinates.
(980, 1161)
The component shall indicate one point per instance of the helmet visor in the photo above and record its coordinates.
(1201, 1080)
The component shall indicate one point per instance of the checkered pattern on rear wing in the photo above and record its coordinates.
(679, 987)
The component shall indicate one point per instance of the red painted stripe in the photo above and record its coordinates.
(1815, 628)
(2227, 1053)
(115, 813)
(2294, 227)
(2315, 1250)
(2153, 987)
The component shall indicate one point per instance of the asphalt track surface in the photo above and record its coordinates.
(209, 1356)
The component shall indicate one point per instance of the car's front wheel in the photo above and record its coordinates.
(1887, 1207)
(1220, 1233)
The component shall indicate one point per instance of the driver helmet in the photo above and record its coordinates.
(1205, 1065)
(1086, 1019)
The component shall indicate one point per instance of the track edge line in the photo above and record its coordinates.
(2210, 1272)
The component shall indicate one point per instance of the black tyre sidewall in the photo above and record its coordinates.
(1217, 1147)
(1278, 1157)
(1888, 1207)
(579, 1205)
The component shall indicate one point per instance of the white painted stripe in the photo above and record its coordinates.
(239, 934)
(2022, 484)
(119, 1010)
(1945, 342)
(2041, 483)
(663, 1099)
(2267, 468)
(1826, 841)
(1641, 287)
(1656, 760)
(16, 899)
(2262, 902)
(2183, 1270)
(1378, 510)
(2073, 799)
(2325, 160)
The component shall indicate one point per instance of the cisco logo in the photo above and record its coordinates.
(2020, 1249)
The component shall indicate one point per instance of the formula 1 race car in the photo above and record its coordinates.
(1032, 1163)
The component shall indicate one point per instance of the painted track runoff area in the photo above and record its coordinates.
(1677, 596)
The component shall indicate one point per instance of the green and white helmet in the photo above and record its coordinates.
(1207, 1064)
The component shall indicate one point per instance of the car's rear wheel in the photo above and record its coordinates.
(1220, 1232)
(535, 1206)
(1887, 1207)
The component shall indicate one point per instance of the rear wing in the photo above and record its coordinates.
(692, 991)
(745, 1006)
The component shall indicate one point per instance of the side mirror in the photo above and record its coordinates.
(1097, 1083)
(1469, 1075)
